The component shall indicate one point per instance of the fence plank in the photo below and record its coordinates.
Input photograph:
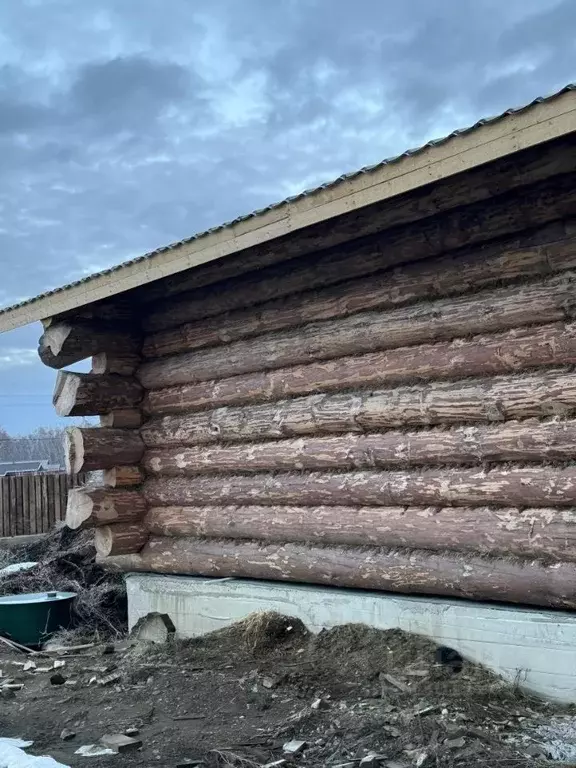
(57, 498)
(37, 480)
(33, 503)
(28, 507)
(13, 505)
(21, 519)
(5, 509)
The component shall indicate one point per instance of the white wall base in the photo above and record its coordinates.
(536, 648)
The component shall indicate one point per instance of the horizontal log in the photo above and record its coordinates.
(511, 441)
(501, 398)
(89, 394)
(518, 487)
(123, 477)
(63, 343)
(530, 532)
(553, 300)
(518, 350)
(93, 448)
(89, 507)
(109, 362)
(489, 312)
(476, 185)
(129, 418)
(406, 571)
(465, 226)
(120, 539)
(117, 311)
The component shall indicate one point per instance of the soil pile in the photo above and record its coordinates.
(347, 692)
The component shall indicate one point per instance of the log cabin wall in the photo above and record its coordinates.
(398, 413)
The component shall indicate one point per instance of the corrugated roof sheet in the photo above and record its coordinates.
(306, 193)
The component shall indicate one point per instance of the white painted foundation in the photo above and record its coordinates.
(536, 648)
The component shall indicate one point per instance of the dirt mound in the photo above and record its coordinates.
(390, 692)
(66, 562)
(235, 697)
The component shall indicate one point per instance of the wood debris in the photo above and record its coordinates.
(120, 743)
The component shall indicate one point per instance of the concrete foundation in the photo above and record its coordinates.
(534, 648)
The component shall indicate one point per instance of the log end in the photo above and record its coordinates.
(65, 392)
(79, 509)
(120, 539)
(127, 418)
(123, 477)
(51, 343)
(123, 365)
(74, 450)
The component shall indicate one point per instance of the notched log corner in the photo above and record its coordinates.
(93, 448)
(89, 394)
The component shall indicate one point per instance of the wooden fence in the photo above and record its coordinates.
(33, 503)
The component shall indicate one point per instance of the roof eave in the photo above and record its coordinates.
(488, 141)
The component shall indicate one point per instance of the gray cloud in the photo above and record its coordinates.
(124, 126)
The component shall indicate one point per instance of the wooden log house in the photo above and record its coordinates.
(369, 385)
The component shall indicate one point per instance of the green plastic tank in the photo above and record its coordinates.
(30, 619)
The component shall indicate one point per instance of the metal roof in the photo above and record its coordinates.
(33, 465)
(309, 193)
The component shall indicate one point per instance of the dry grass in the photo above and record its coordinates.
(66, 562)
(263, 630)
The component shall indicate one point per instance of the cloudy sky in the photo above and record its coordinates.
(127, 124)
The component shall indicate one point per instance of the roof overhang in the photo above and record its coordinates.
(487, 141)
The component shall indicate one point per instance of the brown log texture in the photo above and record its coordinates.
(63, 344)
(518, 487)
(529, 532)
(89, 394)
(466, 226)
(489, 312)
(117, 312)
(511, 441)
(123, 365)
(123, 477)
(408, 571)
(434, 279)
(518, 350)
(88, 507)
(120, 539)
(95, 448)
(124, 418)
(476, 185)
(501, 398)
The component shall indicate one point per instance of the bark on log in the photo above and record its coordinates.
(519, 487)
(62, 344)
(123, 477)
(95, 448)
(531, 532)
(488, 181)
(489, 312)
(89, 394)
(123, 365)
(120, 539)
(512, 441)
(407, 571)
(89, 507)
(501, 398)
(465, 226)
(123, 418)
(517, 350)
(117, 312)
(496, 263)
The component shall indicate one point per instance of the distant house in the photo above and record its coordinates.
(9, 468)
